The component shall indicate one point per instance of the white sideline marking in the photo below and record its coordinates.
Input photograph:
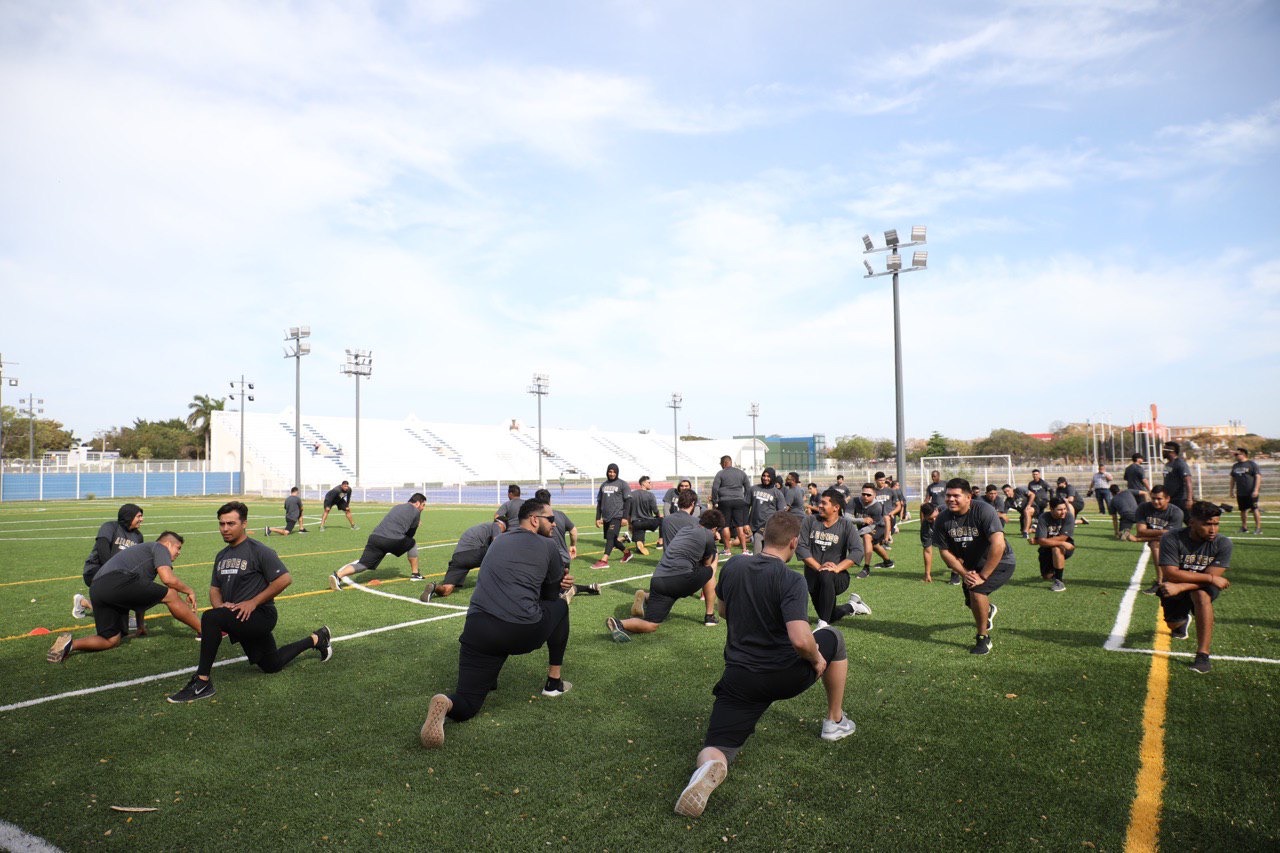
(13, 838)
(133, 682)
(1115, 642)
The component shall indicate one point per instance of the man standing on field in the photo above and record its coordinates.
(1246, 483)
(339, 496)
(971, 540)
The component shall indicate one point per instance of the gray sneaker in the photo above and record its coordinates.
(429, 592)
(78, 602)
(693, 799)
(865, 573)
(1179, 632)
(831, 730)
(1201, 664)
(1058, 586)
(858, 607)
(60, 649)
(616, 633)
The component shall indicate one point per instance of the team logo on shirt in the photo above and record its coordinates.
(961, 533)
(232, 565)
(121, 543)
(1196, 562)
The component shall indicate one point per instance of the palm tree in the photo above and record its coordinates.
(200, 420)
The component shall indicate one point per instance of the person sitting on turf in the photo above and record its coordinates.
(688, 565)
(1054, 532)
(113, 537)
(1195, 560)
(127, 582)
(515, 609)
(393, 535)
(247, 577)
(770, 654)
(292, 515)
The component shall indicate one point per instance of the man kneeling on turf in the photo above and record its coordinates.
(393, 535)
(770, 655)
(1194, 560)
(247, 576)
(515, 609)
(127, 582)
(1055, 530)
(687, 566)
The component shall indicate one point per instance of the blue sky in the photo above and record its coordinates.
(641, 198)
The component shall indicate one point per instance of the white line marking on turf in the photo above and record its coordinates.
(133, 682)
(1120, 631)
(349, 582)
(15, 839)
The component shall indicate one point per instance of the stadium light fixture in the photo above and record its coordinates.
(893, 266)
(33, 407)
(12, 382)
(240, 391)
(295, 336)
(359, 363)
(540, 388)
(754, 413)
(674, 406)
(867, 244)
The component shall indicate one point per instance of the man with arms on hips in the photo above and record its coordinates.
(393, 535)
(770, 655)
(1055, 530)
(128, 582)
(871, 515)
(113, 537)
(1155, 518)
(1124, 512)
(247, 576)
(730, 491)
(612, 500)
(1100, 488)
(1246, 484)
(1135, 478)
(687, 567)
(829, 546)
(972, 544)
(644, 513)
(765, 499)
(1195, 560)
(339, 496)
(515, 609)
(1177, 476)
(292, 515)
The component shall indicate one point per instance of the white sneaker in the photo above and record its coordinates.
(832, 730)
(860, 607)
(78, 603)
(693, 799)
(133, 623)
(821, 624)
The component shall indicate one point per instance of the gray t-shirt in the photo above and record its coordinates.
(1170, 518)
(643, 504)
(1124, 504)
(560, 532)
(520, 569)
(1038, 492)
(1047, 525)
(1068, 493)
(1245, 476)
(760, 596)
(612, 500)
(832, 544)
(691, 547)
(1178, 548)
(478, 536)
(936, 493)
(968, 537)
(730, 484)
(113, 537)
(242, 571)
(292, 508)
(793, 497)
(510, 512)
(887, 498)
(1176, 473)
(875, 511)
(400, 523)
(673, 523)
(140, 561)
(766, 501)
(996, 503)
(1133, 477)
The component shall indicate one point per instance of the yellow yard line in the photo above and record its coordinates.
(1143, 835)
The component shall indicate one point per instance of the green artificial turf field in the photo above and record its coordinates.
(1036, 746)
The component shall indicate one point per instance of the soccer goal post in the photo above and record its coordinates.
(980, 471)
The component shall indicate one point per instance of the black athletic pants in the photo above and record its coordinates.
(612, 528)
(487, 642)
(253, 635)
(640, 525)
(823, 589)
(461, 563)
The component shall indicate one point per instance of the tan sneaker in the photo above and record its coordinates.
(640, 546)
(60, 649)
(693, 799)
(637, 603)
(432, 734)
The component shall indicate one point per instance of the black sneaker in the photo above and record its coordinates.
(865, 573)
(335, 582)
(1082, 520)
(266, 531)
(304, 530)
(324, 643)
(981, 645)
(616, 631)
(429, 592)
(556, 687)
(955, 580)
(709, 620)
(1151, 590)
(887, 564)
(1179, 632)
(1201, 664)
(416, 577)
(991, 615)
(591, 589)
(195, 690)
(840, 612)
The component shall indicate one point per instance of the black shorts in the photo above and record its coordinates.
(115, 595)
(926, 536)
(998, 579)
(1245, 502)
(735, 513)
(332, 504)
(1046, 558)
(290, 523)
(1178, 607)
(665, 592)
(380, 546)
(742, 696)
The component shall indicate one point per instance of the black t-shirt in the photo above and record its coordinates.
(1133, 477)
(116, 538)
(1245, 475)
(337, 497)
(1039, 492)
(242, 571)
(968, 536)
(1176, 472)
(937, 494)
(1180, 550)
(1170, 518)
(520, 569)
(760, 596)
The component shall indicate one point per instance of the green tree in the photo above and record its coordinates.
(161, 439)
(1070, 446)
(200, 420)
(1017, 444)
(937, 445)
(885, 448)
(853, 448)
(17, 432)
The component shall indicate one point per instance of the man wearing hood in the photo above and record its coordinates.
(612, 502)
(113, 537)
(766, 500)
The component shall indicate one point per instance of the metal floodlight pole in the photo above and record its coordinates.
(540, 388)
(674, 406)
(12, 382)
(753, 413)
(295, 335)
(359, 363)
(33, 408)
(243, 396)
(919, 261)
